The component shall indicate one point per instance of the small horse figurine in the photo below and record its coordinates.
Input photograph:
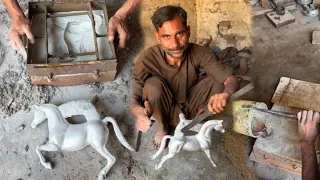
(74, 137)
(178, 142)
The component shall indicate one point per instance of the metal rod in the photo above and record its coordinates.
(66, 15)
(46, 33)
(93, 29)
(73, 55)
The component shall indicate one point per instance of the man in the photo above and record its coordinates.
(308, 122)
(21, 25)
(166, 76)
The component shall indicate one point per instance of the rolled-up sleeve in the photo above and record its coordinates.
(214, 68)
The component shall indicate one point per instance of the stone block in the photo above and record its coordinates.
(316, 37)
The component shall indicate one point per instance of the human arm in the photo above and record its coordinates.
(20, 25)
(308, 126)
(142, 113)
(117, 23)
(222, 75)
(218, 101)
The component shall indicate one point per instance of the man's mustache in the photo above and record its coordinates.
(177, 49)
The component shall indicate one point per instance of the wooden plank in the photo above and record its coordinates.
(265, 158)
(77, 79)
(296, 93)
(71, 68)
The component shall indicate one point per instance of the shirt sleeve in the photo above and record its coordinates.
(214, 68)
(139, 76)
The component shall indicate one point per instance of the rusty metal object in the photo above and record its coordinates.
(70, 73)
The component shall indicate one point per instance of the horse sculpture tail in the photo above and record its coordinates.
(118, 132)
(162, 146)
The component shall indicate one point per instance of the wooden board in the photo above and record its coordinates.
(299, 94)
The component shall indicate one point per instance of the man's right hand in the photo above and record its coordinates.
(308, 122)
(20, 26)
(143, 115)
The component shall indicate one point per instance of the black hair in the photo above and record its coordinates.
(168, 13)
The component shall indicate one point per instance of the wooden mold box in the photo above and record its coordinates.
(57, 58)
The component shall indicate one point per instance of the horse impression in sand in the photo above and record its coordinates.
(200, 141)
(74, 137)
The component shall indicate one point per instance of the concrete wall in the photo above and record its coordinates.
(204, 17)
(234, 17)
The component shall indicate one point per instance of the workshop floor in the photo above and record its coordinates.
(285, 51)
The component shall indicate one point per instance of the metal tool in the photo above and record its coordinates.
(277, 113)
(186, 130)
(149, 114)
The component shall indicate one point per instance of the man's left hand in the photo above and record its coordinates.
(217, 102)
(117, 24)
(308, 122)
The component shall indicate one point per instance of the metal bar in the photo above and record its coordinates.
(68, 14)
(73, 55)
(46, 33)
(93, 29)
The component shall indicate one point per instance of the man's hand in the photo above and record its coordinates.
(20, 26)
(308, 122)
(143, 115)
(217, 102)
(117, 23)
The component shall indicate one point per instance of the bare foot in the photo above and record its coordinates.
(158, 138)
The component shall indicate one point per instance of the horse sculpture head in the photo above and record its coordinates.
(43, 111)
(39, 116)
(219, 126)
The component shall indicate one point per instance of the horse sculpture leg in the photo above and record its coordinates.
(46, 147)
(110, 159)
(207, 151)
(163, 159)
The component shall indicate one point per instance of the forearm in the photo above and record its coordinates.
(135, 107)
(231, 85)
(127, 8)
(310, 169)
(13, 8)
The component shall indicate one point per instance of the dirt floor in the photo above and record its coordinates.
(287, 48)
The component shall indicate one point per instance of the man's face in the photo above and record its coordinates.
(173, 36)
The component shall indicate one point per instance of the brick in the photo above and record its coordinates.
(316, 37)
